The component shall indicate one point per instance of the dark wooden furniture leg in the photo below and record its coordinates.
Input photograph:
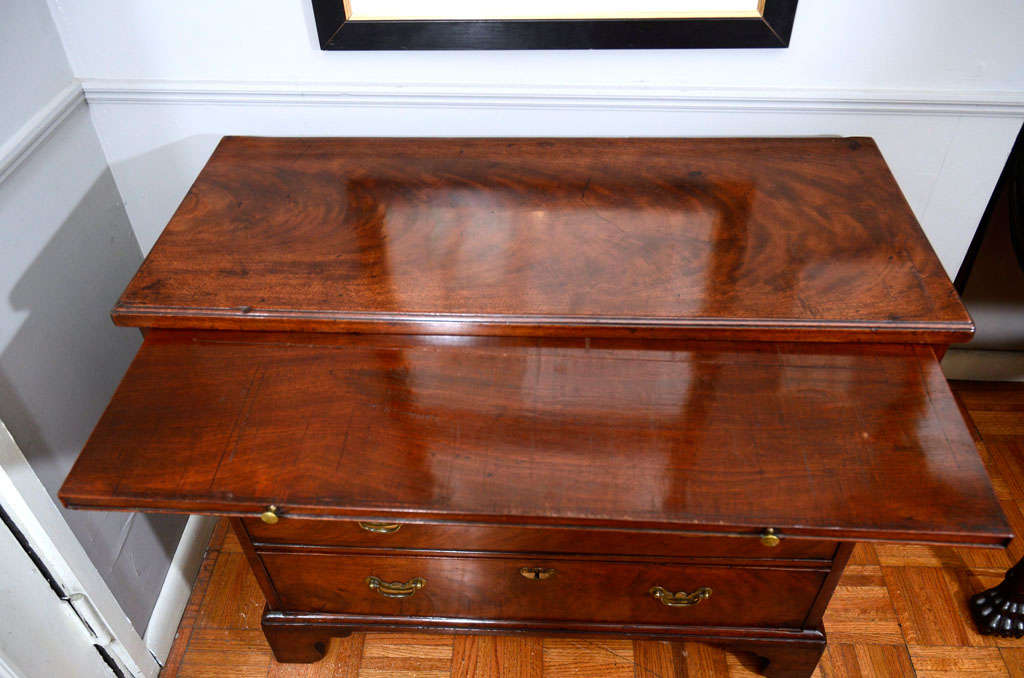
(789, 659)
(295, 644)
(999, 611)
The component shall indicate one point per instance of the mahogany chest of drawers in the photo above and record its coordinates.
(648, 387)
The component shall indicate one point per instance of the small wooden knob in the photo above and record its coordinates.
(769, 538)
(270, 516)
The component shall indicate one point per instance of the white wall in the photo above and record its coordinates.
(938, 83)
(33, 76)
(67, 251)
(869, 44)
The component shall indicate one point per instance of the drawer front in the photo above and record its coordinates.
(344, 533)
(558, 590)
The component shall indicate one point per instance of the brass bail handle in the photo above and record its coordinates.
(380, 528)
(396, 589)
(680, 598)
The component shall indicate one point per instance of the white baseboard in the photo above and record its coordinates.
(972, 365)
(170, 604)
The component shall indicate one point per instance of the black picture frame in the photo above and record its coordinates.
(771, 29)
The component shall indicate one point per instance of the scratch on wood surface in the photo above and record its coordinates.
(241, 420)
(344, 440)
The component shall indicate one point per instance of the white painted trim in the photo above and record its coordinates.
(917, 102)
(6, 669)
(170, 604)
(16, 148)
(30, 507)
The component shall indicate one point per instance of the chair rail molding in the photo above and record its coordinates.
(36, 129)
(486, 95)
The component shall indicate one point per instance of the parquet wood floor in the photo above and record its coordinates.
(898, 611)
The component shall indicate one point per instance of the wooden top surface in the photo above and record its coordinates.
(836, 441)
(793, 239)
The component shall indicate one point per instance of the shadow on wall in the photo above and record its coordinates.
(61, 367)
(158, 180)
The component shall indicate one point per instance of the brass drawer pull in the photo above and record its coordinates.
(681, 599)
(537, 572)
(770, 538)
(381, 528)
(395, 589)
(270, 515)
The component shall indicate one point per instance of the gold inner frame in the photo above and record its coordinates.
(626, 13)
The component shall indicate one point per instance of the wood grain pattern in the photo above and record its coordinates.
(225, 652)
(533, 432)
(418, 656)
(865, 661)
(581, 657)
(343, 659)
(497, 657)
(1014, 660)
(861, 610)
(240, 535)
(658, 658)
(340, 534)
(636, 254)
(863, 627)
(931, 662)
(241, 607)
(201, 585)
(925, 605)
(491, 588)
(766, 239)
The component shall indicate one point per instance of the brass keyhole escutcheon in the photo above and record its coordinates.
(769, 538)
(537, 572)
(270, 516)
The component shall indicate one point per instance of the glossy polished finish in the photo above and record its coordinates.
(718, 370)
(897, 608)
(796, 239)
(591, 591)
(841, 442)
(340, 534)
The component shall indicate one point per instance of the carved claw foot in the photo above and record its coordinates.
(999, 611)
